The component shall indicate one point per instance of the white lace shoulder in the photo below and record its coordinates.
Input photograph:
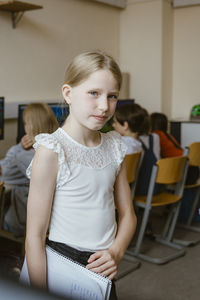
(50, 142)
(118, 147)
(111, 150)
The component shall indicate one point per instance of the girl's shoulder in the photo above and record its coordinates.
(51, 142)
(114, 145)
(45, 139)
(113, 138)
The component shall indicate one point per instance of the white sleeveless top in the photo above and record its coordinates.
(83, 213)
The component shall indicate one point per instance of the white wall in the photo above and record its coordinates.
(159, 47)
(167, 57)
(141, 51)
(186, 62)
(33, 56)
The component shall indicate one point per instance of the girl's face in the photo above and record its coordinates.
(121, 129)
(92, 102)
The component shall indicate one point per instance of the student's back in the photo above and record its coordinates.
(168, 145)
(37, 118)
(151, 153)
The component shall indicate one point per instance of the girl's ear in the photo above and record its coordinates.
(66, 89)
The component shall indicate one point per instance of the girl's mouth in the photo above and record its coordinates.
(100, 118)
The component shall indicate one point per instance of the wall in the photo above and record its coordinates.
(186, 62)
(141, 51)
(167, 57)
(33, 57)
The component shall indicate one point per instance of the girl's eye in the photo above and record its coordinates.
(93, 93)
(113, 97)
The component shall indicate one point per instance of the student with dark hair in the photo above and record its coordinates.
(151, 153)
(129, 121)
(168, 145)
(132, 122)
(169, 148)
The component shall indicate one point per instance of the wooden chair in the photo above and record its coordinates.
(166, 171)
(194, 160)
(4, 233)
(132, 167)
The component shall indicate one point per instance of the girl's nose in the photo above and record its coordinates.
(103, 104)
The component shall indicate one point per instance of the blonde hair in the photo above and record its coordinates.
(87, 63)
(39, 118)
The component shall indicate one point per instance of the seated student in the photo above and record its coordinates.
(151, 153)
(128, 121)
(170, 148)
(168, 144)
(37, 118)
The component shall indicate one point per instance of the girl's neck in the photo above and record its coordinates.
(82, 135)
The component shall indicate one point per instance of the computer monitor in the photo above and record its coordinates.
(1, 118)
(60, 110)
(124, 101)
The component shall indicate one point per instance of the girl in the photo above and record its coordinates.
(37, 118)
(78, 177)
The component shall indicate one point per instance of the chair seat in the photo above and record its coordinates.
(190, 186)
(164, 198)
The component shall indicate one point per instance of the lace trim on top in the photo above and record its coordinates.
(111, 149)
(70, 153)
(51, 143)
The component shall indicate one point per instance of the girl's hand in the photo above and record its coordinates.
(104, 263)
(26, 142)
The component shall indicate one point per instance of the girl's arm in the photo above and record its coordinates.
(106, 262)
(42, 187)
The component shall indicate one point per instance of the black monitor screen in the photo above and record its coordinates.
(1, 118)
(61, 111)
(125, 101)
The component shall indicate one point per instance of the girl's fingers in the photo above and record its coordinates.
(103, 263)
(98, 258)
(102, 267)
(94, 257)
(109, 272)
(112, 276)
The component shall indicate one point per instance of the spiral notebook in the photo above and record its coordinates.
(72, 280)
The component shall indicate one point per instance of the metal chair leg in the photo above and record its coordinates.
(188, 226)
(142, 230)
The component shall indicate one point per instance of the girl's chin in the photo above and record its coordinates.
(96, 128)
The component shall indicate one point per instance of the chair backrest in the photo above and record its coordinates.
(194, 154)
(171, 170)
(132, 164)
